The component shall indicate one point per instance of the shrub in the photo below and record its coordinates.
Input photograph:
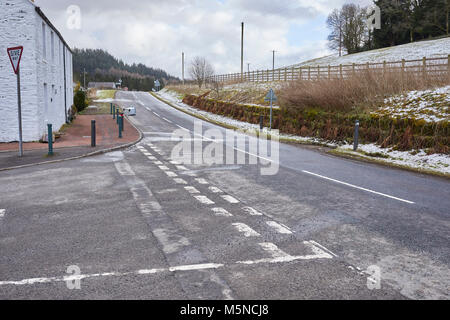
(79, 100)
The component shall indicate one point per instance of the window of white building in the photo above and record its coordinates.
(44, 42)
(52, 43)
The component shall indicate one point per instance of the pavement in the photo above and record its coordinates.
(141, 223)
(74, 142)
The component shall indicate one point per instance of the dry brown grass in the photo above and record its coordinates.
(363, 90)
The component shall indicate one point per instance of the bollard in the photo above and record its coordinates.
(261, 122)
(93, 135)
(356, 137)
(117, 115)
(50, 139)
(110, 110)
(120, 127)
(123, 121)
(114, 112)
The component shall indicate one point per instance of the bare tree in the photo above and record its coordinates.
(348, 29)
(201, 70)
(336, 24)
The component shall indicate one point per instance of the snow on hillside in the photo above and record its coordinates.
(411, 51)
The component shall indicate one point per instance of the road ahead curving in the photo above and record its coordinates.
(141, 224)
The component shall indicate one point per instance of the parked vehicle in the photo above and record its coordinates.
(129, 111)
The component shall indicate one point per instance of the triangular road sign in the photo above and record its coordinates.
(15, 54)
(270, 96)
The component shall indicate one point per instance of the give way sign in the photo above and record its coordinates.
(15, 54)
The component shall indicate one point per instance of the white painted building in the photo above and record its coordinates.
(45, 69)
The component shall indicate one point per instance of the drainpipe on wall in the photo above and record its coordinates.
(65, 85)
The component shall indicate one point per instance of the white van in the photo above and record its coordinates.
(130, 111)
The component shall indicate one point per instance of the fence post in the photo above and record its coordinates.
(309, 73)
(424, 61)
(300, 74)
(285, 74)
(353, 69)
(318, 72)
(403, 71)
(329, 72)
(448, 67)
(384, 68)
(340, 71)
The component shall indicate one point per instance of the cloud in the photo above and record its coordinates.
(156, 32)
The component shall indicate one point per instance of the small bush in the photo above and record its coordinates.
(79, 100)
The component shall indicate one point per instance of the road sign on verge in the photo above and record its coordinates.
(271, 96)
(15, 54)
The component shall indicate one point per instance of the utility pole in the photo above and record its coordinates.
(242, 49)
(248, 67)
(84, 78)
(273, 60)
(182, 66)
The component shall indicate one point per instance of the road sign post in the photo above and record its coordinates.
(271, 97)
(15, 55)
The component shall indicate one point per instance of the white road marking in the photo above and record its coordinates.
(215, 190)
(273, 250)
(180, 181)
(167, 120)
(251, 211)
(2, 213)
(230, 199)
(201, 181)
(124, 169)
(278, 227)
(174, 162)
(152, 158)
(356, 187)
(156, 114)
(318, 254)
(196, 267)
(183, 128)
(221, 212)
(191, 189)
(204, 199)
(171, 174)
(164, 168)
(245, 229)
(181, 167)
(322, 247)
(158, 163)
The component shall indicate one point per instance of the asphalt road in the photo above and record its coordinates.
(141, 224)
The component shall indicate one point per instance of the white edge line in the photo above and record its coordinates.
(360, 188)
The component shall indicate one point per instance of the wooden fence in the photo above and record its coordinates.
(428, 67)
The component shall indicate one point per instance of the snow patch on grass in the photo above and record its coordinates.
(439, 163)
(429, 105)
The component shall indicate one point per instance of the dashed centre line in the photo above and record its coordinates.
(278, 227)
(204, 200)
(191, 190)
(215, 190)
(180, 181)
(2, 213)
(221, 212)
(201, 181)
(251, 211)
(230, 199)
(245, 229)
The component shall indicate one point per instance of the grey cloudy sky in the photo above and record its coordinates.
(156, 32)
